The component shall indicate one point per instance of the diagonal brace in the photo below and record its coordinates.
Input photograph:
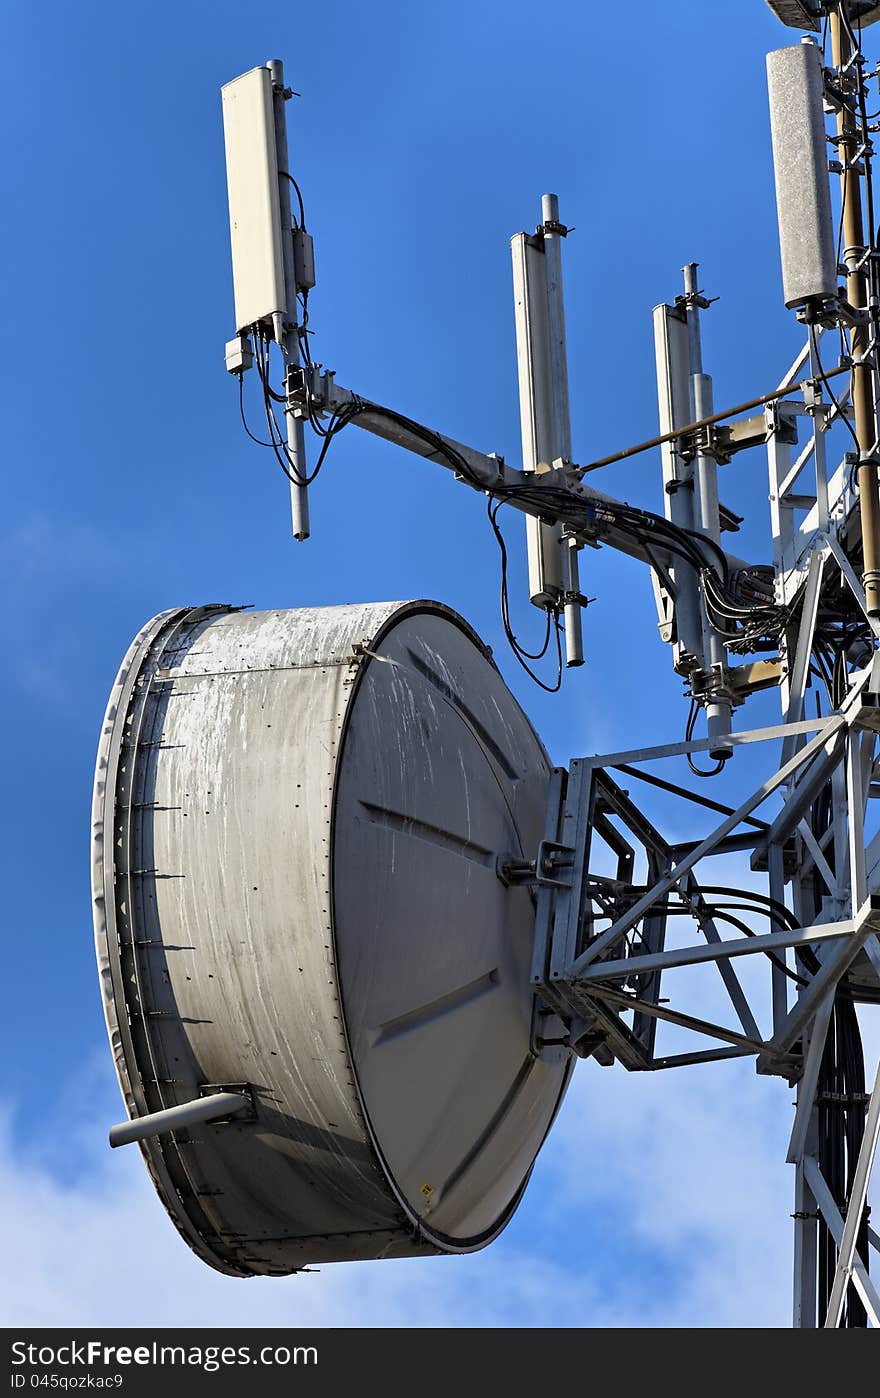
(847, 1249)
(831, 1214)
(829, 731)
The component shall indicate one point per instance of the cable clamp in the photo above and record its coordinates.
(695, 298)
(843, 1099)
(554, 226)
(674, 485)
(243, 1114)
(848, 314)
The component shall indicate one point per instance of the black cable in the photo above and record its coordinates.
(717, 914)
(522, 655)
(440, 447)
(689, 545)
(259, 441)
(688, 735)
(276, 436)
(496, 498)
(315, 422)
(814, 345)
(261, 347)
(337, 421)
(841, 1122)
(840, 1088)
(302, 212)
(758, 623)
(753, 624)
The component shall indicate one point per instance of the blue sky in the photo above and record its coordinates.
(423, 138)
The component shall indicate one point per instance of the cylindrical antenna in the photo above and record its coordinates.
(706, 516)
(800, 164)
(672, 357)
(574, 635)
(544, 411)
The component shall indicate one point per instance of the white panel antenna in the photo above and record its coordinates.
(254, 207)
(544, 411)
(535, 392)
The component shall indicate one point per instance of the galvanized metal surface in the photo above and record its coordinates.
(861, 291)
(807, 14)
(798, 14)
(288, 330)
(440, 775)
(800, 162)
(297, 817)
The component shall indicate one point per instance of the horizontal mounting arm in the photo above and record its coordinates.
(325, 396)
(715, 951)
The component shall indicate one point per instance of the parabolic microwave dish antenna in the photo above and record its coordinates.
(301, 823)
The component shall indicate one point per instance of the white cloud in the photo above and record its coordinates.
(660, 1200)
(691, 1163)
(103, 1252)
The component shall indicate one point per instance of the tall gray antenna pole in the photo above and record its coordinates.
(854, 254)
(289, 330)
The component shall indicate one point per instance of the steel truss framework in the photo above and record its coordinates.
(604, 981)
(600, 990)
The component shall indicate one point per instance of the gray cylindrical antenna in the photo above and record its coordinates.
(672, 353)
(800, 163)
(706, 516)
(574, 636)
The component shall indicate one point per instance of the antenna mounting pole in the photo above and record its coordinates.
(289, 329)
(854, 253)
